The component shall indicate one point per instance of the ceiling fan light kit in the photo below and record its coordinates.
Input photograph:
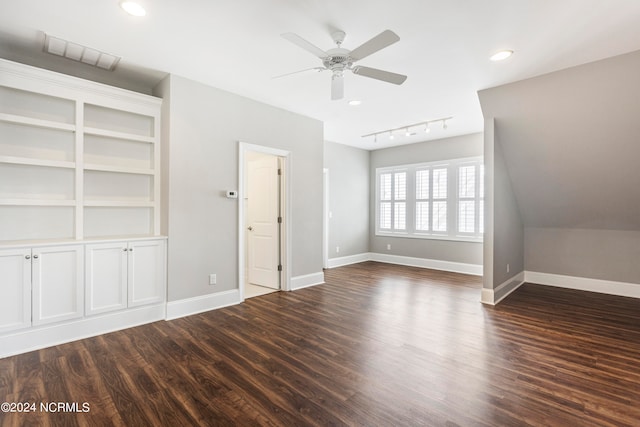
(338, 60)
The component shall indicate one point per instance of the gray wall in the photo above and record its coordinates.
(489, 169)
(570, 144)
(204, 127)
(595, 254)
(348, 199)
(442, 149)
(508, 231)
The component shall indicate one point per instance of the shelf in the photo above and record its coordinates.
(12, 118)
(119, 169)
(77, 159)
(119, 204)
(119, 135)
(37, 162)
(36, 202)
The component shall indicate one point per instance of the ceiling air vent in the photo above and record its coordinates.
(79, 53)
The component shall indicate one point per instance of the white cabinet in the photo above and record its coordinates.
(124, 274)
(106, 277)
(80, 240)
(57, 283)
(146, 272)
(15, 288)
(40, 286)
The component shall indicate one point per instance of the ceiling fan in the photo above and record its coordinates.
(338, 60)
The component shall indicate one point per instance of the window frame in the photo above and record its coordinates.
(452, 200)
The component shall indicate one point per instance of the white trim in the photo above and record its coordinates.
(425, 236)
(624, 289)
(286, 156)
(489, 295)
(435, 264)
(325, 219)
(49, 335)
(307, 280)
(195, 305)
(27, 77)
(348, 260)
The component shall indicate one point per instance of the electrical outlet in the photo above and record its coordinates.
(337, 249)
(507, 268)
(389, 246)
(212, 279)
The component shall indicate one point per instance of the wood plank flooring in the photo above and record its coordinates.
(377, 345)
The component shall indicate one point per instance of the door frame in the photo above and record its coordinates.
(325, 219)
(285, 208)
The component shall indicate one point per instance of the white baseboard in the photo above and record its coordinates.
(307, 280)
(348, 260)
(435, 264)
(623, 289)
(37, 338)
(195, 305)
(494, 296)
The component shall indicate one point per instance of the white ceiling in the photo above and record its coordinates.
(236, 46)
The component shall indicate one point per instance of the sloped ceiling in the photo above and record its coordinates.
(571, 140)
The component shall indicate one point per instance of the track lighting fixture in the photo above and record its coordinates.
(407, 129)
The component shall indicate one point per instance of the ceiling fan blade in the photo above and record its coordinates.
(337, 87)
(382, 40)
(385, 76)
(299, 71)
(297, 40)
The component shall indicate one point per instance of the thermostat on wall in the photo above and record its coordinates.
(232, 194)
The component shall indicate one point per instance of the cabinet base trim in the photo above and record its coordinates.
(46, 336)
(195, 305)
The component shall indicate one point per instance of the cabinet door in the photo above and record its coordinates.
(146, 272)
(105, 277)
(58, 288)
(15, 289)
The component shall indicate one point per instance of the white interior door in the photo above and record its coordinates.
(262, 221)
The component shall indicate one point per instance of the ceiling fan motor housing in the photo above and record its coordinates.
(337, 58)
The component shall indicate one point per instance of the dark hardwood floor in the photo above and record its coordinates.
(377, 345)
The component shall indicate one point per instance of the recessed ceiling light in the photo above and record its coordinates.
(503, 54)
(133, 8)
(354, 102)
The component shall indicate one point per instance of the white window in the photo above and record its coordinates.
(438, 200)
(392, 200)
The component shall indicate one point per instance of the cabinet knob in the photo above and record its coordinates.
(27, 257)
(35, 257)
(130, 249)
(125, 249)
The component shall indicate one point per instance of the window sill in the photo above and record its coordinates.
(431, 237)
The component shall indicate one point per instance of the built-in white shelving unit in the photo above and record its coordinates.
(78, 160)
(80, 245)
